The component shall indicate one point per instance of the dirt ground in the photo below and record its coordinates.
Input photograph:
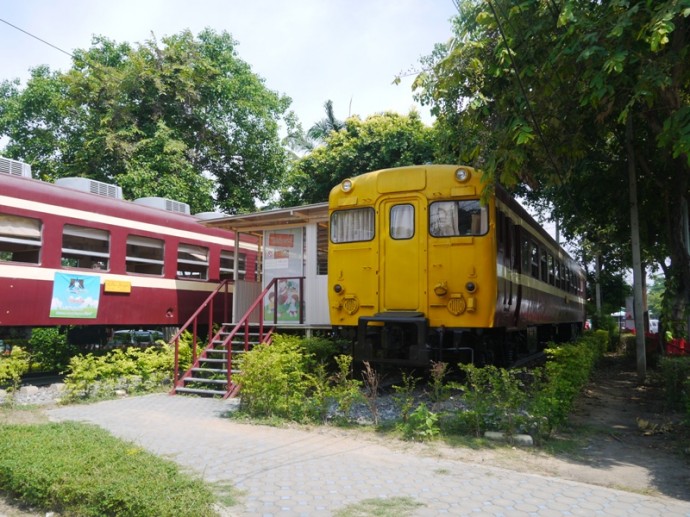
(620, 435)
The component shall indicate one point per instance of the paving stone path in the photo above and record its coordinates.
(296, 472)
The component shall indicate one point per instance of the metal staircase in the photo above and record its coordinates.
(212, 370)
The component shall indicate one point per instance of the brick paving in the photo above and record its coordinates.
(296, 472)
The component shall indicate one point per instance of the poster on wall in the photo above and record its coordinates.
(283, 259)
(75, 296)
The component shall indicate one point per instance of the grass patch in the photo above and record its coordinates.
(80, 469)
(393, 507)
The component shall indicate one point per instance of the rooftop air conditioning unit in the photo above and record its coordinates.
(205, 216)
(15, 168)
(92, 186)
(164, 204)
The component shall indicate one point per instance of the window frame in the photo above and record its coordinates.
(30, 235)
(368, 233)
(133, 260)
(73, 253)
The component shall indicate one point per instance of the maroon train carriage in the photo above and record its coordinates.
(70, 257)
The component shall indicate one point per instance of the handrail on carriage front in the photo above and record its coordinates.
(193, 321)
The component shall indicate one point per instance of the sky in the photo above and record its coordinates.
(348, 51)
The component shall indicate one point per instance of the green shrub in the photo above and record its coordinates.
(675, 375)
(79, 469)
(12, 367)
(284, 380)
(345, 390)
(532, 401)
(321, 350)
(495, 398)
(274, 381)
(404, 395)
(133, 369)
(49, 348)
(566, 373)
(422, 425)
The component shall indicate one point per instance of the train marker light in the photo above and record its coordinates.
(462, 175)
(441, 289)
(346, 185)
(338, 288)
(471, 287)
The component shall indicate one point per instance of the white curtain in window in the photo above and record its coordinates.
(16, 226)
(352, 225)
(402, 222)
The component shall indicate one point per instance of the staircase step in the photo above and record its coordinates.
(201, 380)
(198, 391)
(209, 370)
(212, 360)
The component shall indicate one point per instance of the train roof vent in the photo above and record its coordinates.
(92, 186)
(15, 168)
(164, 204)
(204, 216)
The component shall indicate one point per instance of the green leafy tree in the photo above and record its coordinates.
(185, 118)
(326, 126)
(558, 99)
(379, 142)
(299, 141)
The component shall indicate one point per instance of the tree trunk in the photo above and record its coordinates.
(637, 260)
(598, 284)
(678, 289)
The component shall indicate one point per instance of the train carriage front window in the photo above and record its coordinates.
(458, 218)
(192, 262)
(402, 222)
(20, 239)
(354, 225)
(84, 247)
(144, 255)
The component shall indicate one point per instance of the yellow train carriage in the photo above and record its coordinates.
(421, 269)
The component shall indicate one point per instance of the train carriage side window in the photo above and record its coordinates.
(458, 218)
(20, 239)
(144, 255)
(227, 265)
(525, 255)
(402, 222)
(534, 252)
(85, 248)
(192, 262)
(543, 265)
(551, 269)
(354, 225)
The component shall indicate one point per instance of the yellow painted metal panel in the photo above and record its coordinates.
(394, 180)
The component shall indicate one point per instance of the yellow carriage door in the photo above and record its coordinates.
(400, 255)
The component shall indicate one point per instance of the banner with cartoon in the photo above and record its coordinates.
(75, 296)
(283, 259)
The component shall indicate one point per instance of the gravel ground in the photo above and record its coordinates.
(35, 395)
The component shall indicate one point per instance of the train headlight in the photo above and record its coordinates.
(462, 175)
(346, 185)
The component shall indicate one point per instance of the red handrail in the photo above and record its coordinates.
(243, 324)
(193, 321)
